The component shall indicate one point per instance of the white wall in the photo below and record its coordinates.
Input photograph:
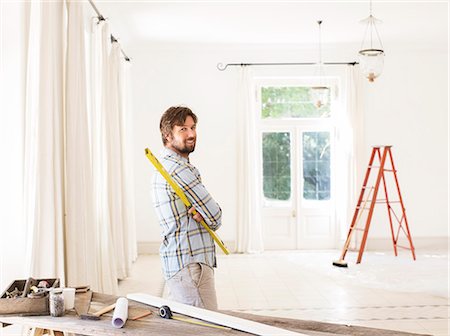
(12, 102)
(406, 107)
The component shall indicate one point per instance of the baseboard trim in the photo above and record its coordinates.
(420, 243)
(148, 247)
(373, 244)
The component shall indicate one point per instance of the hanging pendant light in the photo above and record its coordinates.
(320, 94)
(371, 57)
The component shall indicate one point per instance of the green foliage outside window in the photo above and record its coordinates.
(291, 102)
(277, 165)
(316, 165)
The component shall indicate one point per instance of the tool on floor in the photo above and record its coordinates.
(384, 154)
(182, 196)
(165, 312)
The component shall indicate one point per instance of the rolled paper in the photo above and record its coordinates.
(120, 314)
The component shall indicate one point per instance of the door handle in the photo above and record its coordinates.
(294, 214)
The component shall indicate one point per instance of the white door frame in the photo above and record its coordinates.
(294, 215)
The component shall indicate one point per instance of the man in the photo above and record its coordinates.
(187, 251)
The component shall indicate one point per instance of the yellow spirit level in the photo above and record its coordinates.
(182, 196)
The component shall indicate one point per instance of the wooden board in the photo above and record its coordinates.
(213, 316)
(155, 325)
(82, 302)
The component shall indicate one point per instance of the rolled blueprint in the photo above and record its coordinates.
(120, 313)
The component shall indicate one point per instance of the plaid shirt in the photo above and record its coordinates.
(184, 240)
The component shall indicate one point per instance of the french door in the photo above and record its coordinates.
(296, 160)
(297, 205)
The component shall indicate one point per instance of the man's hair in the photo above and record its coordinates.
(174, 116)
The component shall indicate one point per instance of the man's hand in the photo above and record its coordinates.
(197, 217)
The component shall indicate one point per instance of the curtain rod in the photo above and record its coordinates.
(102, 18)
(223, 67)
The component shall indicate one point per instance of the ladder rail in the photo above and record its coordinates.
(358, 204)
(403, 206)
(388, 149)
(354, 228)
(372, 205)
(384, 158)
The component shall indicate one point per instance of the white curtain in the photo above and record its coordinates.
(81, 235)
(249, 237)
(99, 74)
(44, 140)
(126, 127)
(349, 142)
(120, 204)
(78, 174)
(111, 147)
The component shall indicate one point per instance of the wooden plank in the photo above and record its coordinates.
(82, 302)
(155, 325)
(213, 316)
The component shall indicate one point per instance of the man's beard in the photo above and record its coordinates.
(183, 147)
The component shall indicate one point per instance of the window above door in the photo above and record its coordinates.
(284, 102)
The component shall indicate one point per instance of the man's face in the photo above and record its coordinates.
(183, 138)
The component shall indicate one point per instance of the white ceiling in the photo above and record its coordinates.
(419, 23)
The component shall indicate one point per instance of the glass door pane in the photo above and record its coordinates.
(316, 166)
(276, 149)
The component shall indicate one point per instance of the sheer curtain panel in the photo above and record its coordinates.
(80, 225)
(44, 140)
(249, 238)
(79, 208)
(120, 206)
(99, 67)
(349, 143)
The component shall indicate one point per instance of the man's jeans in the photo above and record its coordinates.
(194, 285)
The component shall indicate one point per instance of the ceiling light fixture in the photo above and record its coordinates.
(320, 94)
(371, 58)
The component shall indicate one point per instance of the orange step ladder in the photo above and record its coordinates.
(384, 156)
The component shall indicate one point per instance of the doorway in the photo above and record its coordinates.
(296, 160)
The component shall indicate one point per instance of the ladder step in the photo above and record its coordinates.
(403, 247)
(352, 249)
(378, 201)
(385, 169)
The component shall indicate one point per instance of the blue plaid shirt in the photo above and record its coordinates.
(184, 240)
